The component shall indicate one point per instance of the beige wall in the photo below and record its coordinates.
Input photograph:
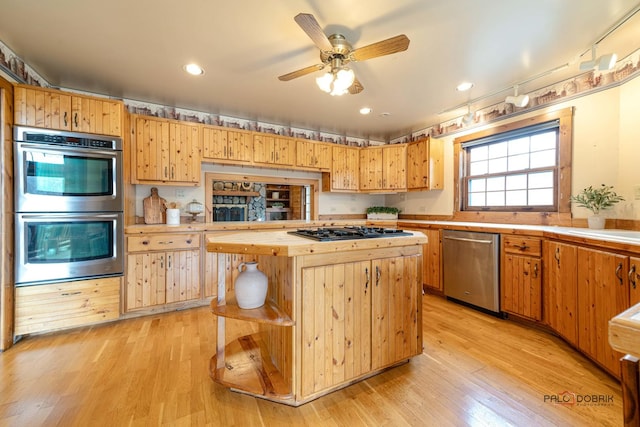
(606, 150)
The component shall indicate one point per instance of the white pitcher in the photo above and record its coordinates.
(250, 286)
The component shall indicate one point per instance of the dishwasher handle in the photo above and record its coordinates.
(465, 239)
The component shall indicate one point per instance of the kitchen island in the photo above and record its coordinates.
(336, 312)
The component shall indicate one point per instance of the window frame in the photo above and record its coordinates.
(560, 213)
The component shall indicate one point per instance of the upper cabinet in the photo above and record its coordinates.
(54, 109)
(344, 170)
(226, 144)
(165, 151)
(425, 165)
(313, 155)
(273, 150)
(383, 168)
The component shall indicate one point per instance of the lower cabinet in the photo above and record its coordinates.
(64, 305)
(367, 318)
(162, 269)
(432, 263)
(521, 278)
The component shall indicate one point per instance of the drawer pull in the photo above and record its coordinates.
(68, 294)
(522, 247)
(189, 242)
(165, 242)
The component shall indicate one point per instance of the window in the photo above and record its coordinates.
(520, 167)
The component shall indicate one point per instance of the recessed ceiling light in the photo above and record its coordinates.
(366, 110)
(385, 114)
(464, 86)
(194, 69)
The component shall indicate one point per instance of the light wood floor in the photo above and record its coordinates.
(476, 370)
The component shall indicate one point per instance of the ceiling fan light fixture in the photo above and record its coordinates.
(324, 82)
(337, 81)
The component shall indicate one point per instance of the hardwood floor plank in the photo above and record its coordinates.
(476, 370)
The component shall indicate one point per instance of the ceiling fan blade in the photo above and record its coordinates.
(356, 87)
(385, 47)
(309, 25)
(302, 72)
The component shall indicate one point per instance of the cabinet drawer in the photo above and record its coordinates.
(161, 242)
(522, 245)
(42, 308)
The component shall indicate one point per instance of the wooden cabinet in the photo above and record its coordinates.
(634, 281)
(272, 150)
(64, 305)
(219, 143)
(425, 165)
(313, 155)
(383, 168)
(603, 292)
(521, 278)
(166, 151)
(162, 269)
(345, 164)
(432, 260)
(560, 289)
(54, 109)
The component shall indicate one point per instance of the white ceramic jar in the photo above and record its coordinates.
(250, 286)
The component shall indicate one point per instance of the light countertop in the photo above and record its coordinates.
(624, 331)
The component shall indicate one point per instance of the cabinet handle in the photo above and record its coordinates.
(230, 153)
(75, 120)
(169, 261)
(166, 242)
(165, 172)
(557, 256)
(172, 172)
(66, 122)
(632, 276)
(377, 275)
(535, 270)
(366, 274)
(225, 151)
(162, 262)
(67, 294)
(618, 270)
(522, 247)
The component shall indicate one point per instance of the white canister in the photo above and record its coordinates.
(275, 195)
(250, 286)
(173, 216)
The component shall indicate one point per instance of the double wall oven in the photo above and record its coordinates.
(69, 206)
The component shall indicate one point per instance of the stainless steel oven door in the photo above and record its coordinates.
(70, 246)
(67, 179)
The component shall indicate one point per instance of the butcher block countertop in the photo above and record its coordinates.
(280, 243)
(624, 331)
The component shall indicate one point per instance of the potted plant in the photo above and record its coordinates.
(597, 199)
(382, 212)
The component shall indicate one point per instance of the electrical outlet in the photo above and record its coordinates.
(179, 193)
(636, 192)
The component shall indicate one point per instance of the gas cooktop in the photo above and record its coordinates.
(347, 233)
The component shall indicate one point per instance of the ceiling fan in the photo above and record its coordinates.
(336, 52)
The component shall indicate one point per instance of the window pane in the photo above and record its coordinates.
(519, 162)
(517, 198)
(476, 199)
(497, 150)
(495, 198)
(498, 165)
(478, 168)
(541, 180)
(478, 153)
(495, 184)
(476, 185)
(542, 159)
(542, 197)
(517, 182)
(519, 146)
(543, 141)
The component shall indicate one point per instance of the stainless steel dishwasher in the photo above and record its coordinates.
(471, 268)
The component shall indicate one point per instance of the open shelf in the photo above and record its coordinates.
(247, 367)
(269, 313)
(235, 193)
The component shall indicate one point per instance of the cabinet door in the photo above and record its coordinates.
(263, 148)
(561, 289)
(152, 149)
(432, 276)
(394, 167)
(336, 325)
(42, 108)
(344, 168)
(146, 280)
(239, 146)
(522, 286)
(284, 151)
(322, 156)
(214, 143)
(634, 281)
(396, 310)
(371, 177)
(305, 153)
(602, 293)
(183, 275)
(185, 159)
(94, 115)
(418, 165)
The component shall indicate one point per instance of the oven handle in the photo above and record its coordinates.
(66, 149)
(73, 215)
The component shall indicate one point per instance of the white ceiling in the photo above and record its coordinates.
(135, 49)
